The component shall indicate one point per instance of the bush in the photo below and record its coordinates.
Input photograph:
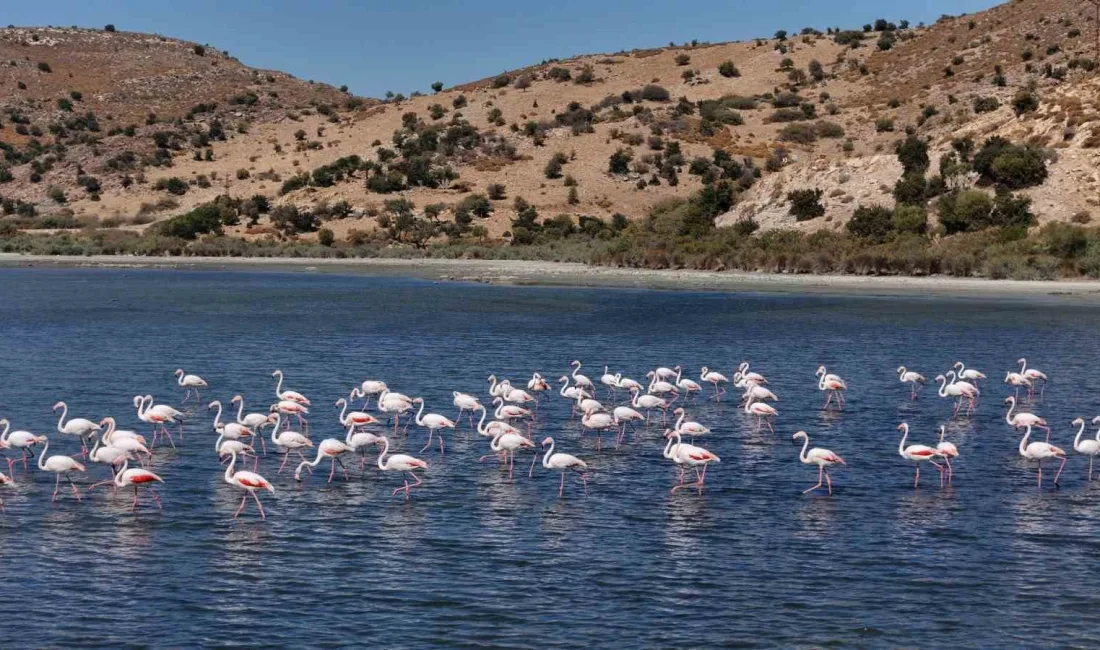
(586, 76)
(806, 204)
(911, 188)
(986, 104)
(288, 219)
(173, 185)
(496, 191)
(800, 133)
(728, 69)
(501, 81)
(57, 194)
(817, 71)
(786, 115)
(437, 86)
(910, 219)
(619, 162)
(873, 223)
(1013, 166)
(109, 28)
(826, 129)
(199, 50)
(654, 93)
(459, 102)
(558, 73)
(44, 67)
(913, 155)
(206, 218)
(963, 211)
(326, 237)
(554, 165)
(1025, 101)
(242, 174)
(884, 124)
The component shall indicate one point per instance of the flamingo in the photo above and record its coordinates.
(225, 447)
(134, 477)
(360, 440)
(253, 421)
(330, 448)
(290, 407)
(509, 411)
(684, 454)
(587, 406)
(289, 441)
(400, 463)
(967, 374)
(687, 385)
(597, 422)
(394, 403)
(752, 376)
(833, 384)
(610, 380)
(537, 383)
(432, 422)
(24, 441)
(663, 372)
(658, 386)
(714, 378)
(508, 444)
(570, 392)
(127, 443)
(79, 427)
(5, 480)
(107, 455)
(917, 454)
(495, 389)
(191, 382)
(59, 465)
(249, 482)
(689, 429)
(1023, 419)
(561, 461)
(624, 415)
(914, 379)
(1039, 451)
(581, 380)
(823, 458)
(627, 383)
(1032, 374)
(514, 395)
(468, 403)
(958, 389)
(494, 428)
(231, 430)
(1016, 380)
(948, 450)
(370, 387)
(288, 395)
(156, 416)
(650, 402)
(1090, 446)
(762, 412)
(355, 418)
(756, 392)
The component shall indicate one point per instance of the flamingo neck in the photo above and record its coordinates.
(500, 407)
(419, 414)
(546, 456)
(231, 468)
(218, 415)
(805, 445)
(279, 384)
(121, 471)
(1077, 438)
(943, 386)
(275, 430)
(904, 436)
(680, 421)
(494, 444)
(564, 386)
(481, 422)
(179, 377)
(1011, 406)
(5, 434)
(576, 369)
(385, 450)
(61, 420)
(344, 409)
(1023, 441)
(349, 434)
(42, 456)
(218, 443)
(1023, 366)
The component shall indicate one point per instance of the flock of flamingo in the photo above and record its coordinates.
(127, 453)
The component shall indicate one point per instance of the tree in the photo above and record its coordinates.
(1013, 166)
(781, 34)
(728, 69)
(325, 237)
(496, 191)
(574, 198)
(437, 86)
(619, 163)
(911, 189)
(109, 28)
(554, 165)
(817, 71)
(913, 155)
(806, 204)
(872, 223)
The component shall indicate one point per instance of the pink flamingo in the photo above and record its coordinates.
(79, 427)
(289, 441)
(1017, 380)
(1033, 375)
(468, 404)
(368, 388)
(960, 390)
(249, 482)
(598, 422)
(714, 379)
(355, 418)
(24, 441)
(60, 466)
(1039, 451)
(763, 413)
(581, 380)
(191, 382)
(1023, 419)
(917, 454)
(253, 421)
(156, 418)
(823, 458)
(624, 415)
(914, 379)
(1090, 446)
(562, 462)
(330, 448)
(507, 444)
(833, 384)
(684, 454)
(743, 370)
(289, 407)
(134, 477)
(689, 428)
(433, 422)
(948, 450)
(4, 480)
(360, 440)
(288, 395)
(400, 463)
(649, 402)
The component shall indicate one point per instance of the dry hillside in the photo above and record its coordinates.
(254, 130)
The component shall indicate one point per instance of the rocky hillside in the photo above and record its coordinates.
(123, 129)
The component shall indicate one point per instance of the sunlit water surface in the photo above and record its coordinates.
(474, 559)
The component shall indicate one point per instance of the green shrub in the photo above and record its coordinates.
(496, 191)
(326, 237)
(986, 104)
(1025, 101)
(873, 223)
(884, 124)
(913, 155)
(619, 162)
(728, 69)
(199, 50)
(911, 189)
(826, 129)
(173, 185)
(501, 81)
(798, 132)
(459, 102)
(786, 115)
(806, 204)
(911, 219)
(554, 165)
(44, 67)
(558, 73)
(437, 86)
(654, 93)
(57, 194)
(1013, 166)
(682, 59)
(206, 218)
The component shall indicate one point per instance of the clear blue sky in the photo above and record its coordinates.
(406, 45)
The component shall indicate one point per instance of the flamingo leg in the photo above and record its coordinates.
(584, 480)
(950, 472)
(1090, 467)
(828, 481)
(342, 468)
(56, 487)
(1060, 467)
(916, 479)
(156, 498)
(561, 486)
(332, 469)
(531, 471)
(133, 506)
(241, 507)
(259, 505)
(820, 474)
(285, 457)
(431, 432)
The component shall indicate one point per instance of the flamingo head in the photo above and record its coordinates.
(536, 376)
(564, 378)
(576, 363)
(138, 400)
(678, 411)
(491, 378)
(58, 405)
(418, 400)
(820, 371)
(213, 404)
(958, 364)
(108, 421)
(548, 440)
(940, 378)
(903, 427)
(179, 371)
(1010, 399)
(635, 390)
(651, 374)
(799, 434)
(498, 400)
(900, 370)
(1021, 360)
(1080, 421)
(236, 398)
(1096, 420)
(669, 433)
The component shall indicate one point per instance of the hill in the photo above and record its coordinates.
(611, 136)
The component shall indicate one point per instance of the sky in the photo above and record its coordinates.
(405, 46)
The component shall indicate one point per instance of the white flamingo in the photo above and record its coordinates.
(60, 466)
(400, 463)
(715, 379)
(191, 382)
(1040, 451)
(823, 458)
(1033, 374)
(914, 379)
(1089, 446)
(562, 462)
(82, 428)
(287, 395)
(433, 422)
(763, 412)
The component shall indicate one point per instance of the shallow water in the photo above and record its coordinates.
(474, 559)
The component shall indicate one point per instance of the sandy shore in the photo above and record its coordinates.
(517, 272)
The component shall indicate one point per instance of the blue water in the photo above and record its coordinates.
(476, 560)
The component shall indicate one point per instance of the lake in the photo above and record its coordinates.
(474, 559)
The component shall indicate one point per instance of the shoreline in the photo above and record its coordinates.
(535, 273)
